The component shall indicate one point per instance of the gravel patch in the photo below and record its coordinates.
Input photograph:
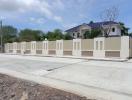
(16, 89)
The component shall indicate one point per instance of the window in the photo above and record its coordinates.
(113, 29)
(73, 34)
(78, 35)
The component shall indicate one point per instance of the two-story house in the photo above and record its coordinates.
(78, 31)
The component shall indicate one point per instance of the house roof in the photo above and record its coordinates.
(92, 25)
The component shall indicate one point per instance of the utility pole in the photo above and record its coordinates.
(1, 36)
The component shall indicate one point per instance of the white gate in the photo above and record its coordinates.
(15, 47)
(45, 48)
(23, 47)
(99, 49)
(59, 47)
(76, 47)
(33, 47)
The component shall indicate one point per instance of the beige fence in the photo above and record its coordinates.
(52, 47)
(98, 47)
(67, 47)
(112, 46)
(39, 47)
(87, 46)
(130, 52)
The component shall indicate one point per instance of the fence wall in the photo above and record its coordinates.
(87, 47)
(130, 52)
(67, 47)
(112, 47)
(120, 47)
(52, 47)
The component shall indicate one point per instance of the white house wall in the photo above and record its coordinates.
(117, 31)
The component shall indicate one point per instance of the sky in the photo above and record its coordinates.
(48, 15)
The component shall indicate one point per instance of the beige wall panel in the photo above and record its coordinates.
(130, 50)
(87, 53)
(28, 45)
(113, 43)
(130, 43)
(19, 51)
(87, 44)
(52, 45)
(39, 45)
(38, 51)
(52, 52)
(11, 46)
(68, 45)
(10, 51)
(27, 52)
(112, 53)
(18, 46)
(69, 53)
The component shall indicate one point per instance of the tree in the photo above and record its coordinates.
(50, 36)
(58, 34)
(87, 34)
(30, 35)
(55, 35)
(124, 30)
(91, 22)
(67, 36)
(110, 14)
(9, 34)
(92, 34)
(43, 36)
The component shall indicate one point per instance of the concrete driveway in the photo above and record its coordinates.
(102, 80)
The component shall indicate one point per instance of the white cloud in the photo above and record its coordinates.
(35, 6)
(58, 19)
(36, 20)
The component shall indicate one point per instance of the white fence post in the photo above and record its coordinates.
(23, 47)
(33, 47)
(45, 48)
(99, 47)
(59, 47)
(14, 47)
(6, 48)
(76, 47)
(124, 53)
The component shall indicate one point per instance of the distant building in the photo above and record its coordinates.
(78, 31)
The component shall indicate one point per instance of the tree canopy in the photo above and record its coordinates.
(9, 34)
(124, 30)
(55, 35)
(30, 35)
(92, 34)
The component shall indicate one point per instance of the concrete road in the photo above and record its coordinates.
(102, 80)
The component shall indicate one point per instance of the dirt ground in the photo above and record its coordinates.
(17, 89)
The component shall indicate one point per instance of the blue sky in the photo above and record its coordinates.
(48, 15)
